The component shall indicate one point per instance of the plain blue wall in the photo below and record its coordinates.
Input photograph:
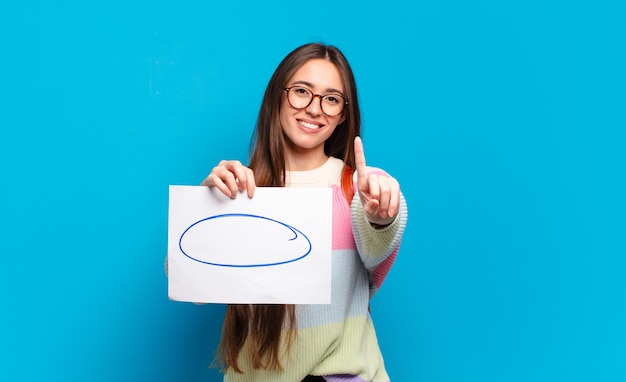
(504, 122)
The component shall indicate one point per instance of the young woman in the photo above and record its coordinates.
(307, 135)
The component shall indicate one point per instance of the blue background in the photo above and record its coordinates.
(504, 122)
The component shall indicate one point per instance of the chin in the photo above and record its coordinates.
(304, 144)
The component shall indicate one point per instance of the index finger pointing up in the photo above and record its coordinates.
(359, 157)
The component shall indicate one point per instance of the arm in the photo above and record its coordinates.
(379, 217)
(378, 245)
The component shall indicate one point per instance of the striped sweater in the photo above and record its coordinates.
(338, 341)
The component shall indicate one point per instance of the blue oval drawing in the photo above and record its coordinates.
(296, 234)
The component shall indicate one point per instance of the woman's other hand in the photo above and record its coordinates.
(379, 193)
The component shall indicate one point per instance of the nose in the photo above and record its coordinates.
(315, 107)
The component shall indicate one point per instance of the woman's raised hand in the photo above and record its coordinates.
(379, 193)
(231, 177)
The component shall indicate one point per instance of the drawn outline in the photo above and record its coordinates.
(292, 229)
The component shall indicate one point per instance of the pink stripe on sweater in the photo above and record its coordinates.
(380, 272)
(342, 222)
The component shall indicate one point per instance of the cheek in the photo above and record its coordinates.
(331, 130)
(336, 121)
(285, 109)
(282, 112)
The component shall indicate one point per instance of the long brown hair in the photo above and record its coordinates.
(265, 325)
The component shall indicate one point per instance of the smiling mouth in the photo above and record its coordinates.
(308, 125)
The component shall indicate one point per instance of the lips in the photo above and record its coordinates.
(309, 125)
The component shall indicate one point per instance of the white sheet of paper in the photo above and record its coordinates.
(273, 248)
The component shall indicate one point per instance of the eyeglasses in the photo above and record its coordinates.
(300, 98)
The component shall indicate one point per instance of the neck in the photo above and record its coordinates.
(295, 161)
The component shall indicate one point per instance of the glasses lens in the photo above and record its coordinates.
(300, 97)
(332, 104)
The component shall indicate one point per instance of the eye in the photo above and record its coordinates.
(332, 99)
(302, 92)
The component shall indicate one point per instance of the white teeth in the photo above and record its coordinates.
(309, 125)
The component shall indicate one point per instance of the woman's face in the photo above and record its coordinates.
(307, 129)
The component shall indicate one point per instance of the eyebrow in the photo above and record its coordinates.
(329, 90)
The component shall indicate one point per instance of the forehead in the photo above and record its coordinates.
(319, 74)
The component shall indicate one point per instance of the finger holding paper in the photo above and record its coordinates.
(231, 177)
(379, 192)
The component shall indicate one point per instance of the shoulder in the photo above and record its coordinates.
(335, 168)
(335, 163)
